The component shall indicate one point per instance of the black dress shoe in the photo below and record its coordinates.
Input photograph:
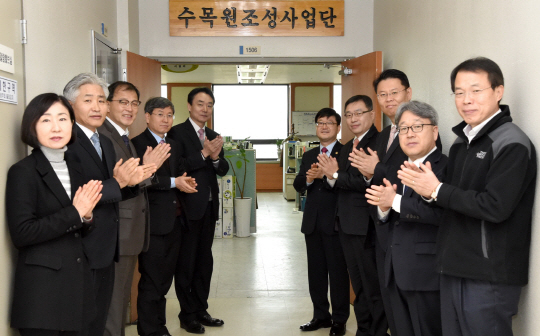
(316, 324)
(194, 327)
(338, 329)
(209, 321)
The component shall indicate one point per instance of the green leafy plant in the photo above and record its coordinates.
(279, 142)
(242, 161)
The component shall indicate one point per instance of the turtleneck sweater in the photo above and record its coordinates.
(56, 158)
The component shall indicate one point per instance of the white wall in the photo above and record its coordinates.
(427, 39)
(59, 40)
(156, 42)
(11, 151)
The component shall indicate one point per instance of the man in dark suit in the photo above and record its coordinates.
(160, 263)
(134, 232)
(201, 149)
(353, 219)
(410, 276)
(87, 94)
(324, 252)
(392, 88)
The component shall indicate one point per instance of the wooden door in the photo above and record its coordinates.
(145, 74)
(365, 69)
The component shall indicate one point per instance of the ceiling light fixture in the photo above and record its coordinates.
(252, 74)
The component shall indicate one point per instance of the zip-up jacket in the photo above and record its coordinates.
(488, 196)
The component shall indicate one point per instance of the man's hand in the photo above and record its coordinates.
(314, 173)
(157, 155)
(86, 198)
(216, 145)
(186, 184)
(142, 173)
(382, 196)
(422, 180)
(122, 172)
(364, 162)
(328, 165)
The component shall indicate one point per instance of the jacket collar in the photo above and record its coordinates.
(494, 123)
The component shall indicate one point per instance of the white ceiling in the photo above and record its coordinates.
(278, 74)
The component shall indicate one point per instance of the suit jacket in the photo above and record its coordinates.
(321, 201)
(134, 231)
(202, 170)
(162, 198)
(52, 287)
(389, 163)
(411, 248)
(352, 206)
(101, 246)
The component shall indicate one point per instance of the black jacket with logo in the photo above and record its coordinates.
(488, 195)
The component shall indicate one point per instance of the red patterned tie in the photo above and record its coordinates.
(355, 142)
(324, 150)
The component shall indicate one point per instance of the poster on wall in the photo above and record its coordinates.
(8, 90)
(304, 123)
(256, 18)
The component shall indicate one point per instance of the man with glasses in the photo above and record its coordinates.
(411, 281)
(160, 263)
(488, 196)
(324, 252)
(354, 223)
(392, 89)
(202, 151)
(123, 105)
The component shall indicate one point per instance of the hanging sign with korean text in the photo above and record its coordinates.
(256, 18)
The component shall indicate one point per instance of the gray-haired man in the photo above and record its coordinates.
(88, 95)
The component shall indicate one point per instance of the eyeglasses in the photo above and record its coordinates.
(355, 114)
(461, 94)
(161, 115)
(322, 124)
(415, 128)
(125, 102)
(392, 94)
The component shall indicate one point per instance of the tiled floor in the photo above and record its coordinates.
(259, 286)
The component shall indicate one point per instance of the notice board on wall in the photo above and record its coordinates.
(304, 123)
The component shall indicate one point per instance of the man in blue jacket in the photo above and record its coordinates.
(488, 195)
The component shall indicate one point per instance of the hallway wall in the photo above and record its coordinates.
(59, 40)
(427, 39)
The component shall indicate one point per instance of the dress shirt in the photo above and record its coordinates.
(396, 204)
(120, 130)
(88, 132)
(330, 147)
(197, 128)
(159, 139)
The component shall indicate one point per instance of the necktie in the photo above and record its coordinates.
(324, 150)
(126, 140)
(392, 136)
(355, 143)
(201, 135)
(162, 141)
(97, 145)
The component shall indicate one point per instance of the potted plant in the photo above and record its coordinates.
(242, 205)
(279, 142)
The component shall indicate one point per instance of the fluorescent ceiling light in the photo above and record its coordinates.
(251, 74)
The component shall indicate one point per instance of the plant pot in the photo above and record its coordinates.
(242, 213)
(279, 151)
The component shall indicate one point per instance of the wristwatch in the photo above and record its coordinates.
(335, 175)
(434, 193)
